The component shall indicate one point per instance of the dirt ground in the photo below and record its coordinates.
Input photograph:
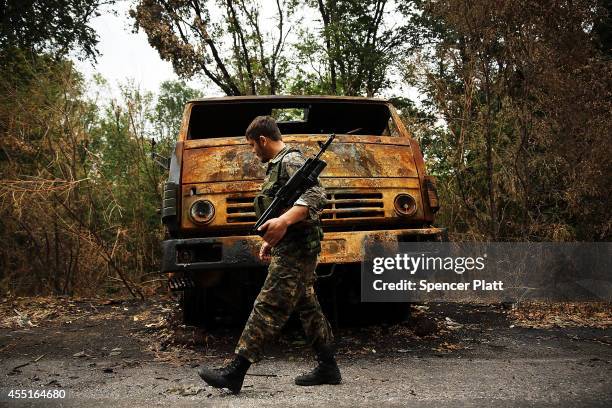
(136, 353)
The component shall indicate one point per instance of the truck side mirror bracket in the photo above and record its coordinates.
(161, 161)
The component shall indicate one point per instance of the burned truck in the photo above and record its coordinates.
(375, 180)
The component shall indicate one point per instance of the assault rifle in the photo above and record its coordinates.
(301, 181)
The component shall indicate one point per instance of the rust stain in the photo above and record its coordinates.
(344, 160)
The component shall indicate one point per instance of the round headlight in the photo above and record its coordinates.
(405, 205)
(202, 211)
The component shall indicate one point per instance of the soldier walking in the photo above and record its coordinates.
(292, 243)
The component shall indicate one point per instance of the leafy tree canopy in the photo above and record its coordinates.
(49, 26)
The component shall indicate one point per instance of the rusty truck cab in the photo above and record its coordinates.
(375, 181)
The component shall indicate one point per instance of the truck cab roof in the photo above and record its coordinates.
(288, 99)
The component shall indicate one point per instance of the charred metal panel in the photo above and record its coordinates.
(221, 163)
(182, 254)
(169, 201)
(171, 194)
(345, 159)
(291, 98)
(365, 183)
(243, 251)
(185, 122)
(301, 138)
(431, 192)
(178, 283)
(369, 161)
(419, 162)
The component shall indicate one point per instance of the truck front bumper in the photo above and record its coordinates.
(220, 253)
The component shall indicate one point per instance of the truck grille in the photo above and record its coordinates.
(340, 205)
(240, 209)
(343, 205)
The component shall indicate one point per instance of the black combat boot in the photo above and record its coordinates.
(327, 372)
(230, 377)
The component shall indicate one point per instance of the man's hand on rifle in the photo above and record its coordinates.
(275, 229)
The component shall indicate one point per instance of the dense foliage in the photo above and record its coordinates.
(79, 193)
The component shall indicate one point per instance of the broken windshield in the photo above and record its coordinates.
(223, 119)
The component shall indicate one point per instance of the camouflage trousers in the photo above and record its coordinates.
(288, 288)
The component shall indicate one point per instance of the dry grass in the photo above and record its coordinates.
(547, 315)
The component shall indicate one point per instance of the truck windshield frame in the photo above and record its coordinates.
(216, 119)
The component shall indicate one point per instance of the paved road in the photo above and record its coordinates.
(481, 361)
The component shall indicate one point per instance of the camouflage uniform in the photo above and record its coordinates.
(291, 274)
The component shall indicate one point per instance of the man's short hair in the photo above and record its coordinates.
(263, 126)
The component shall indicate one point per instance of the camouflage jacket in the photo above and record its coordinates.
(314, 198)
